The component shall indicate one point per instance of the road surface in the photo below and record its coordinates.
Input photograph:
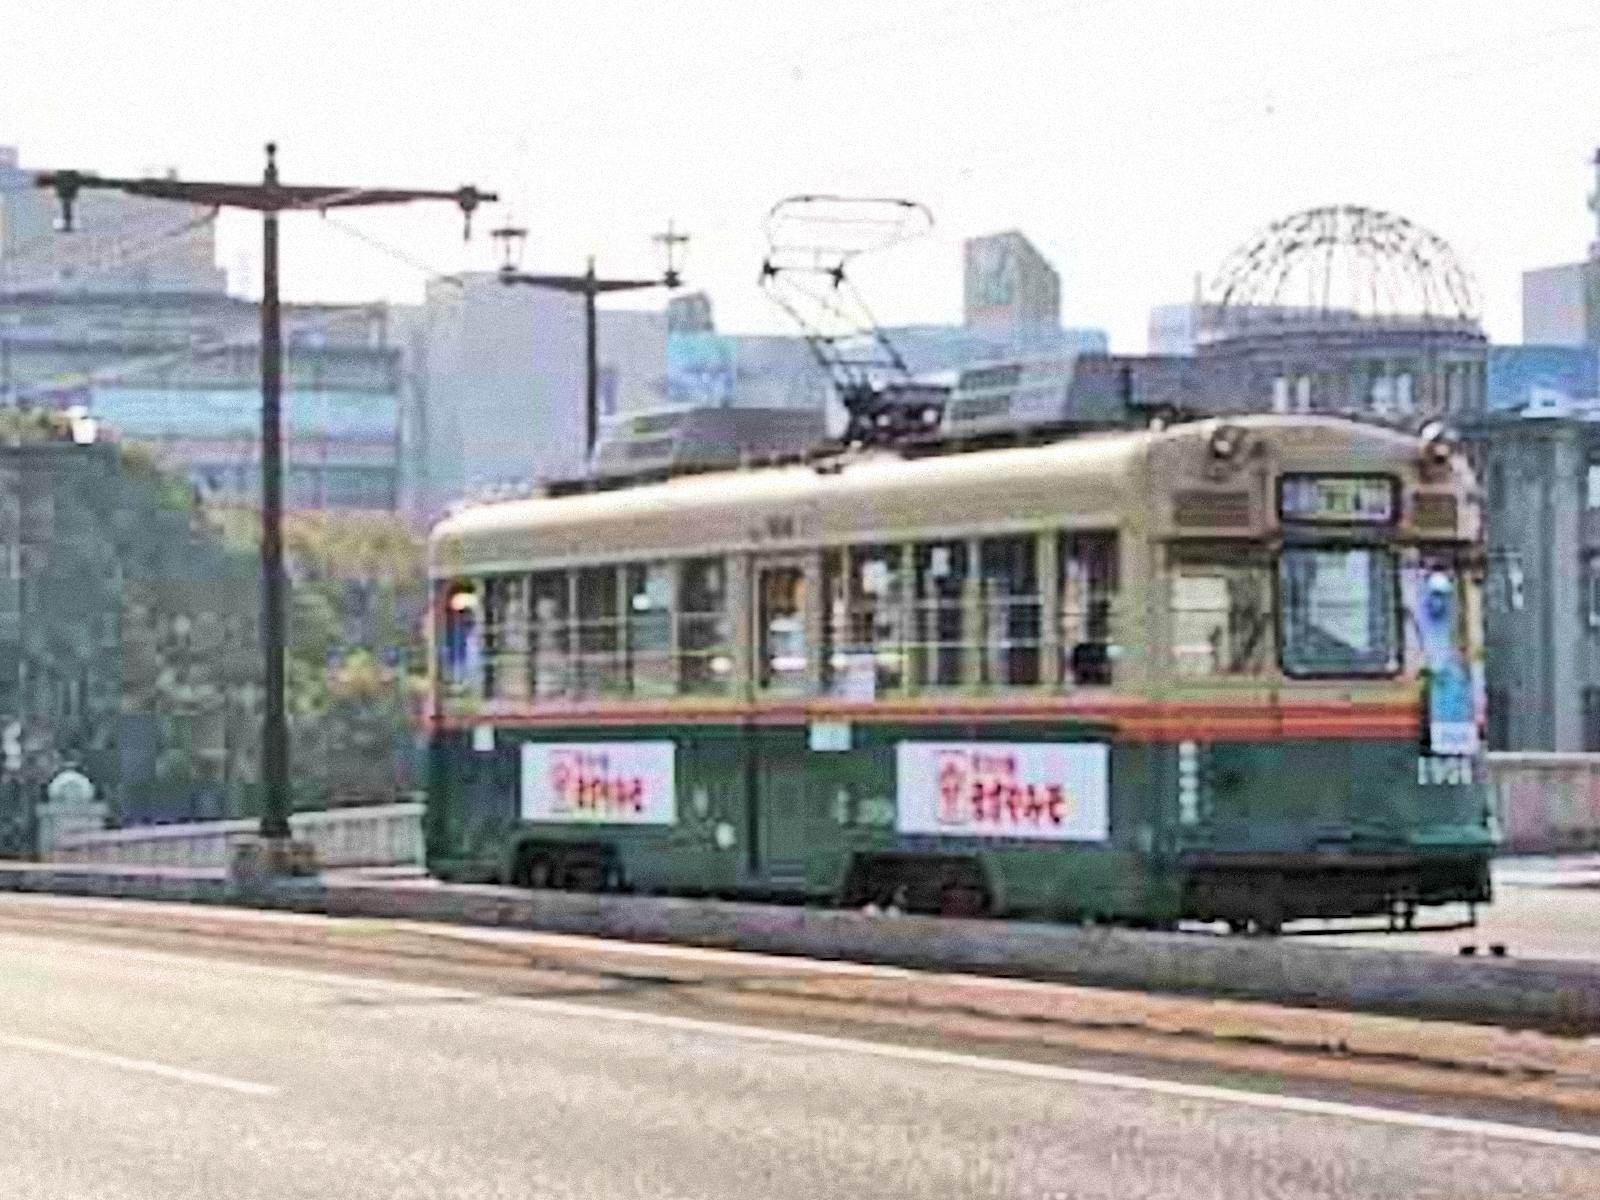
(1549, 913)
(130, 1073)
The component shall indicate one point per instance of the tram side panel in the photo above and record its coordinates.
(904, 815)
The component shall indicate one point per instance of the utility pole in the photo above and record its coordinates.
(270, 198)
(589, 286)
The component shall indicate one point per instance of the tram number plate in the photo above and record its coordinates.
(1441, 770)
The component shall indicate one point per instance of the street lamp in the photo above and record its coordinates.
(514, 238)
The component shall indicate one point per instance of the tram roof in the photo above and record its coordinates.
(1094, 476)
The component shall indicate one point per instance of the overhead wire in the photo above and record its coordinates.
(394, 252)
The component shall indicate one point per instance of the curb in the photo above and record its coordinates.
(1558, 996)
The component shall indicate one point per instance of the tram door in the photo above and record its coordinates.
(782, 654)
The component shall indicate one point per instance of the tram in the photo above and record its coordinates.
(1225, 670)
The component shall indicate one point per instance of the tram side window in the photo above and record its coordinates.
(705, 659)
(864, 621)
(460, 649)
(504, 629)
(598, 660)
(782, 661)
(1009, 571)
(1089, 581)
(939, 610)
(1221, 618)
(549, 635)
(649, 624)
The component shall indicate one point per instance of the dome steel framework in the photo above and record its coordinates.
(1344, 262)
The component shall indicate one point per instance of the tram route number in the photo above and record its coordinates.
(1444, 770)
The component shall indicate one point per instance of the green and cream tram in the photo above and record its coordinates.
(1223, 670)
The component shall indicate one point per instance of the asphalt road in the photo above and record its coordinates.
(1530, 919)
(137, 1073)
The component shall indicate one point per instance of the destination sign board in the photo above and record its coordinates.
(1338, 499)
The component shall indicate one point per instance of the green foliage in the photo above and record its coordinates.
(175, 587)
(356, 665)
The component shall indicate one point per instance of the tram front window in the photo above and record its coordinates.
(1339, 611)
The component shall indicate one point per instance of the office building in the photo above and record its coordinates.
(128, 317)
(119, 243)
(1008, 283)
(181, 372)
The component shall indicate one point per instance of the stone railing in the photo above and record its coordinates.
(385, 835)
(1547, 802)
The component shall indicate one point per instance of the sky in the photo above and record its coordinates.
(1136, 142)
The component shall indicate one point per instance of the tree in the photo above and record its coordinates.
(357, 660)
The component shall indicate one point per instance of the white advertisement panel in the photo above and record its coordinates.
(1049, 791)
(601, 783)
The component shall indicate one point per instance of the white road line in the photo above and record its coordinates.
(143, 1066)
(1433, 1122)
(1017, 1068)
(533, 940)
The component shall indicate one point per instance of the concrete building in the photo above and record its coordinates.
(1561, 304)
(1542, 619)
(1393, 367)
(181, 372)
(1538, 445)
(496, 377)
(1388, 328)
(635, 349)
(120, 243)
(128, 316)
(1523, 376)
(1172, 328)
(1007, 282)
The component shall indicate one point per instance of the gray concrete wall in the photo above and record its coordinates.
(1541, 650)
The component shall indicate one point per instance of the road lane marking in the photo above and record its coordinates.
(527, 939)
(1017, 1068)
(142, 1066)
(1305, 1105)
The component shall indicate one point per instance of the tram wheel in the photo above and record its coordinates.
(538, 873)
(962, 900)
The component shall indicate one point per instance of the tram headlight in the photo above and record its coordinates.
(1226, 443)
(1438, 442)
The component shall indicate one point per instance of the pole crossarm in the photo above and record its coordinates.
(269, 196)
(589, 286)
(256, 196)
(578, 284)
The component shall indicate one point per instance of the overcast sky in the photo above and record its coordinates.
(1135, 141)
